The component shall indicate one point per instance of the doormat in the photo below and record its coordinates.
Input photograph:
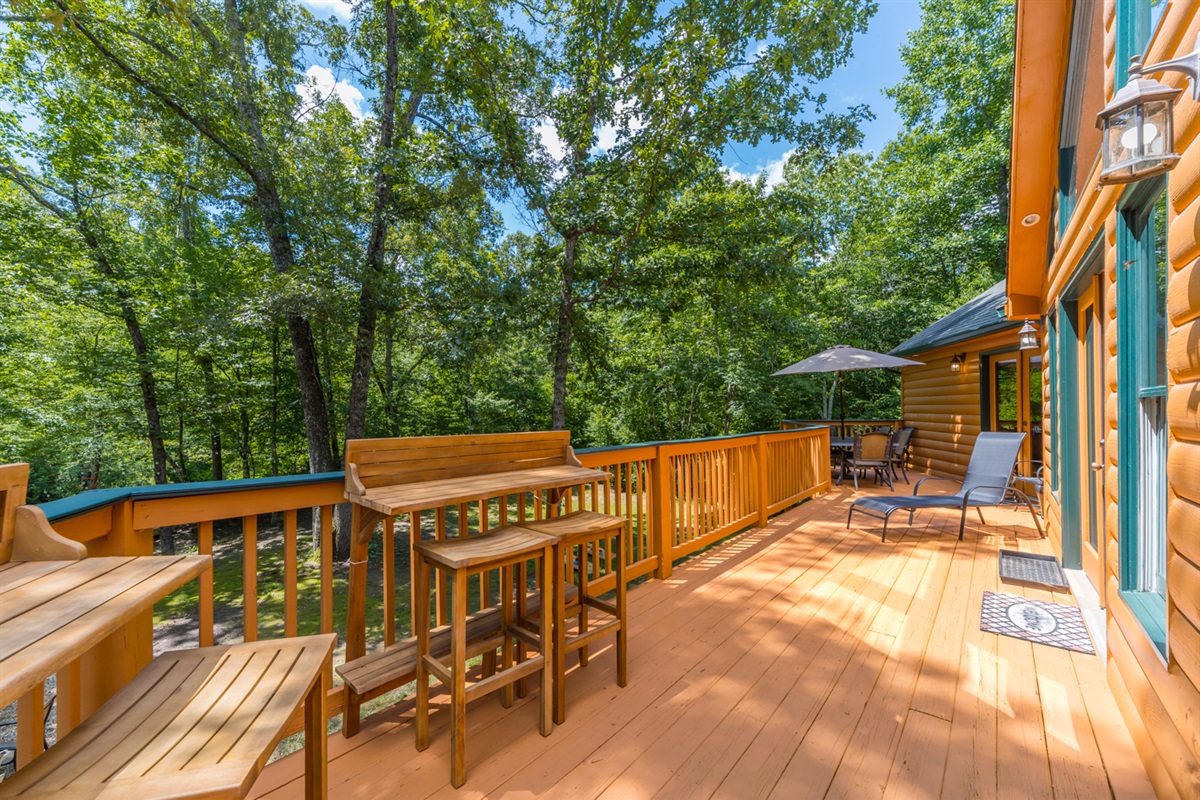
(1031, 568)
(1035, 621)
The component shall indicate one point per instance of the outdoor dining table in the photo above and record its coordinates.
(52, 612)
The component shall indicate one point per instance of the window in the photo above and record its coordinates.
(1083, 97)
(1142, 404)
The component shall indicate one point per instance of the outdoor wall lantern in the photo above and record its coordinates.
(1028, 336)
(957, 362)
(1138, 137)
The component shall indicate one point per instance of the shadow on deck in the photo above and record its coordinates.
(798, 660)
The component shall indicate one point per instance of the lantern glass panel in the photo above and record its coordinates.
(1120, 137)
(1155, 128)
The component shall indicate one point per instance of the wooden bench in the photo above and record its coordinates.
(393, 666)
(195, 723)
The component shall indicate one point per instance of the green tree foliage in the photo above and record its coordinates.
(297, 274)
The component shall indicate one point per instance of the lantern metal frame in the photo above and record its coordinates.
(1136, 94)
(1029, 337)
(958, 362)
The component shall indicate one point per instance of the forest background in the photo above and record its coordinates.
(207, 272)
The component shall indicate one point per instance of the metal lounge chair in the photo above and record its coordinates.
(988, 482)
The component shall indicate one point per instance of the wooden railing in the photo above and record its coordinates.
(678, 496)
(847, 427)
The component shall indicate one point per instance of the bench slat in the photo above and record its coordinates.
(194, 723)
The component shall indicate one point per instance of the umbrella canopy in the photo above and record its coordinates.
(840, 358)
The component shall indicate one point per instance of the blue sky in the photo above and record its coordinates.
(874, 65)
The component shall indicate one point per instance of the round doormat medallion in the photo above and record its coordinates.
(1031, 619)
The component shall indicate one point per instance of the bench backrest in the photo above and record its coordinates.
(390, 462)
(13, 480)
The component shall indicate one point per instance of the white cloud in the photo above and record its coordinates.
(339, 8)
(773, 171)
(320, 84)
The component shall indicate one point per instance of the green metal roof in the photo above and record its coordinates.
(977, 317)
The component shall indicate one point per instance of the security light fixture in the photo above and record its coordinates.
(1139, 140)
(1029, 336)
(958, 362)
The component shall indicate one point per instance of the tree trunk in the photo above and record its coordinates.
(214, 436)
(274, 400)
(279, 243)
(368, 312)
(562, 336)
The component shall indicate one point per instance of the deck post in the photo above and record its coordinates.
(764, 495)
(660, 518)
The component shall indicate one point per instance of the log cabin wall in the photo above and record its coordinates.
(1158, 696)
(946, 406)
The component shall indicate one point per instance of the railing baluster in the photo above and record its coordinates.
(250, 577)
(291, 584)
(206, 585)
(326, 569)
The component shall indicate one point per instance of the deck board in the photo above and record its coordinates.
(797, 660)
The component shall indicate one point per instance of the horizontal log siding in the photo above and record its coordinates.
(1161, 702)
(944, 406)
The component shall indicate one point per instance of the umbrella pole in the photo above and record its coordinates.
(841, 401)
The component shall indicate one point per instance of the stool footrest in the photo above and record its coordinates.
(504, 678)
(527, 637)
(601, 605)
(584, 639)
(439, 670)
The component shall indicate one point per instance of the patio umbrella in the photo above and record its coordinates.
(842, 358)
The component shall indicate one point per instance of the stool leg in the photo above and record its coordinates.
(458, 688)
(521, 574)
(544, 626)
(622, 544)
(507, 622)
(559, 630)
(583, 592)
(420, 622)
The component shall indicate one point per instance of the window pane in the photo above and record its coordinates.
(1004, 394)
(1159, 320)
(1152, 504)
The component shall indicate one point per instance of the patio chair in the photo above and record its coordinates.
(871, 451)
(988, 482)
(900, 445)
(1036, 480)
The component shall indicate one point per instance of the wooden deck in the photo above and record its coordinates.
(800, 660)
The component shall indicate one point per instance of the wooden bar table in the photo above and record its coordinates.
(51, 612)
(377, 503)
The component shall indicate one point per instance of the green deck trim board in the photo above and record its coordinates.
(83, 502)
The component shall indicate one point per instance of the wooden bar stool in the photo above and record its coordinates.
(460, 558)
(569, 532)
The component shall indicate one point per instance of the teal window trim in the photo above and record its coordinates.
(1136, 329)
(1133, 32)
(1150, 608)
(1052, 374)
